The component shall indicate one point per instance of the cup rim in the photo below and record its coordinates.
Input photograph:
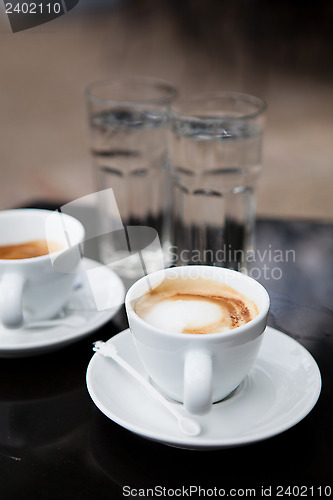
(200, 96)
(201, 338)
(39, 258)
(143, 80)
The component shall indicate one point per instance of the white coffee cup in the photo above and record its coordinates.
(36, 288)
(198, 369)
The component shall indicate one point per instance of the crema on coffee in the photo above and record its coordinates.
(28, 250)
(195, 305)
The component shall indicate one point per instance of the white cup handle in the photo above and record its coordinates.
(11, 288)
(198, 381)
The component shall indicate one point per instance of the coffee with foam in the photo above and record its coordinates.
(28, 250)
(195, 305)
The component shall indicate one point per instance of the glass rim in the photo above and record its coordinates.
(171, 90)
(202, 96)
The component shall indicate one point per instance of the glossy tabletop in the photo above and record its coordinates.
(55, 444)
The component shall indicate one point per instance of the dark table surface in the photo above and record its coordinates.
(55, 444)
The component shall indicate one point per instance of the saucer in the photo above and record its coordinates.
(281, 389)
(81, 307)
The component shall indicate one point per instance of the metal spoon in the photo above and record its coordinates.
(188, 426)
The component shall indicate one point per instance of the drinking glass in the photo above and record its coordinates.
(215, 156)
(128, 123)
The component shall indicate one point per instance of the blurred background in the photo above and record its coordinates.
(280, 50)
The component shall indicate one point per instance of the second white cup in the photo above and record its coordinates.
(36, 288)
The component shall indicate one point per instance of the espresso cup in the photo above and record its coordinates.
(197, 369)
(35, 288)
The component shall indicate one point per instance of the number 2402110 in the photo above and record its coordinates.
(33, 8)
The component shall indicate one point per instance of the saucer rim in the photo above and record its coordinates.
(204, 443)
(75, 333)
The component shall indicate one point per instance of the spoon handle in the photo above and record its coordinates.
(111, 353)
(187, 425)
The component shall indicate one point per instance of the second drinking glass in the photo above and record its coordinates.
(215, 155)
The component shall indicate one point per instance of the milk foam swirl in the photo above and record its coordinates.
(196, 306)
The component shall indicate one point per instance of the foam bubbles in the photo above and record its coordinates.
(187, 305)
(180, 315)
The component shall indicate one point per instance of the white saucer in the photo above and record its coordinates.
(80, 307)
(281, 389)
